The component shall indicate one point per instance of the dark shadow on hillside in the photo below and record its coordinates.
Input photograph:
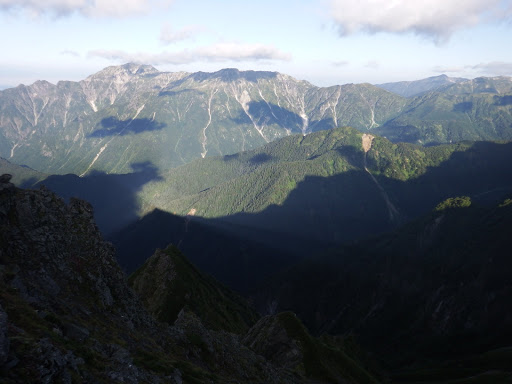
(237, 261)
(465, 106)
(397, 132)
(233, 74)
(260, 158)
(113, 196)
(475, 172)
(29, 183)
(265, 114)
(232, 157)
(320, 213)
(170, 93)
(354, 156)
(112, 126)
(321, 125)
(405, 280)
(503, 100)
(407, 293)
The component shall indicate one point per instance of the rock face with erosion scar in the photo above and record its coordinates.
(367, 141)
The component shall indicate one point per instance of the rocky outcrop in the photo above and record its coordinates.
(270, 338)
(168, 283)
(4, 339)
(64, 299)
(56, 255)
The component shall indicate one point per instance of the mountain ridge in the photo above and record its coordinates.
(79, 126)
(417, 87)
(106, 121)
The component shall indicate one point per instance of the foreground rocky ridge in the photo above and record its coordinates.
(68, 315)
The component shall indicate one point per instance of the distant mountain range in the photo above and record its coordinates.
(417, 87)
(108, 121)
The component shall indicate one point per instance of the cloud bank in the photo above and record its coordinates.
(435, 19)
(216, 53)
(88, 8)
(170, 36)
(496, 68)
(493, 68)
(444, 69)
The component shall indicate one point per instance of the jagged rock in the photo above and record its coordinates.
(56, 364)
(270, 339)
(4, 182)
(55, 262)
(4, 338)
(76, 332)
(5, 178)
(176, 377)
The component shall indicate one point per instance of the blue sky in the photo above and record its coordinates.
(326, 42)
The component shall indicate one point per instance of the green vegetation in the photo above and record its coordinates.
(325, 361)
(472, 110)
(168, 283)
(252, 181)
(243, 206)
(255, 180)
(454, 202)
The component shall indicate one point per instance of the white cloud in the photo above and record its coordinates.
(169, 36)
(215, 53)
(373, 64)
(241, 52)
(89, 8)
(436, 19)
(70, 52)
(441, 69)
(341, 63)
(494, 68)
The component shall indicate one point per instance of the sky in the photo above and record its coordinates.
(325, 42)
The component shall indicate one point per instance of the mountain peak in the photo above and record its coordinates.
(135, 68)
(126, 70)
(232, 74)
(418, 87)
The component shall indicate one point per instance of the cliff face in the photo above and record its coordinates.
(67, 314)
(56, 256)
